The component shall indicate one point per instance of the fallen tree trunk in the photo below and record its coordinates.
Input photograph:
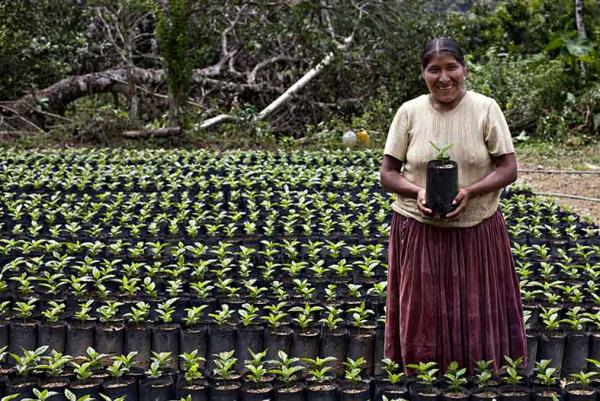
(56, 98)
(33, 109)
(288, 94)
(153, 133)
(302, 82)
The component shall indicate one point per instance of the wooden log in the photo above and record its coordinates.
(152, 133)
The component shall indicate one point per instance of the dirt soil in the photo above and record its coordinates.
(571, 184)
(585, 185)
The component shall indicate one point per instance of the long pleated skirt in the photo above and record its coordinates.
(452, 294)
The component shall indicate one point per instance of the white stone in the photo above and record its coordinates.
(349, 139)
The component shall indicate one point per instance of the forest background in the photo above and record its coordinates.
(205, 72)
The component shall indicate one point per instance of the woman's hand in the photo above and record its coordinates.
(422, 203)
(461, 200)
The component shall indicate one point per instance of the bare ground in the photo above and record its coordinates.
(559, 158)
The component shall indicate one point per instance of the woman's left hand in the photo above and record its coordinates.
(461, 200)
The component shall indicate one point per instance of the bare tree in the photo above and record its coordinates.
(122, 23)
(261, 59)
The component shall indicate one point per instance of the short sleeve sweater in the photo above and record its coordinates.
(478, 130)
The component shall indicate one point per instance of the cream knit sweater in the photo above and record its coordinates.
(478, 130)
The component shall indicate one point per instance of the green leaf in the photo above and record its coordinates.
(578, 47)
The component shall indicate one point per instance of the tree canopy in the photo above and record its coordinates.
(233, 58)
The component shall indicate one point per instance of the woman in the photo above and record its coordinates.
(453, 293)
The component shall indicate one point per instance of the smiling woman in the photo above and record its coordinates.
(444, 73)
(453, 292)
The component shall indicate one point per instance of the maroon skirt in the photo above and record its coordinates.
(452, 294)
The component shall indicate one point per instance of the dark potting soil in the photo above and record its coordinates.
(487, 394)
(514, 394)
(194, 387)
(446, 166)
(84, 385)
(549, 394)
(581, 391)
(116, 383)
(322, 387)
(268, 378)
(24, 384)
(259, 390)
(354, 390)
(231, 386)
(455, 394)
(291, 389)
(54, 384)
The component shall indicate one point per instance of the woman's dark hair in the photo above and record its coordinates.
(441, 45)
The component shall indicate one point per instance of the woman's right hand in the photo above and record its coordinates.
(422, 203)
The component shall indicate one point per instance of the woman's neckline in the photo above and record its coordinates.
(447, 112)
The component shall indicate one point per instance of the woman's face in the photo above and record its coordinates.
(445, 78)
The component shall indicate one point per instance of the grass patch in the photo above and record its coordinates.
(558, 155)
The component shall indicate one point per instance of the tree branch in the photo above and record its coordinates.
(252, 76)
(152, 133)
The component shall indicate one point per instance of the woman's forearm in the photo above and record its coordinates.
(395, 182)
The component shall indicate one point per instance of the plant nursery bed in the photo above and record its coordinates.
(159, 275)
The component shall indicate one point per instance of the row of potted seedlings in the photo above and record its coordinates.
(55, 376)
(211, 199)
(535, 220)
(246, 251)
(247, 214)
(192, 226)
(123, 228)
(299, 330)
(302, 330)
(192, 178)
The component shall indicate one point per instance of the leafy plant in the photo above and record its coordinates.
(441, 151)
(224, 364)
(455, 377)
(583, 378)
(285, 367)
(55, 363)
(425, 372)
(158, 362)
(166, 310)
(354, 369)
(255, 366)
(392, 370)
(28, 361)
(318, 371)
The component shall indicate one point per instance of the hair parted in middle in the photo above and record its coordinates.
(440, 45)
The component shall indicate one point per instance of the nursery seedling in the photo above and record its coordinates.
(332, 320)
(224, 364)
(285, 368)
(166, 310)
(583, 378)
(41, 395)
(26, 363)
(441, 151)
(354, 368)
(392, 370)
(426, 371)
(455, 377)
(318, 370)
(55, 363)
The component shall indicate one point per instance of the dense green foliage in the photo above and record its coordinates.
(524, 53)
(173, 32)
(527, 55)
(40, 42)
